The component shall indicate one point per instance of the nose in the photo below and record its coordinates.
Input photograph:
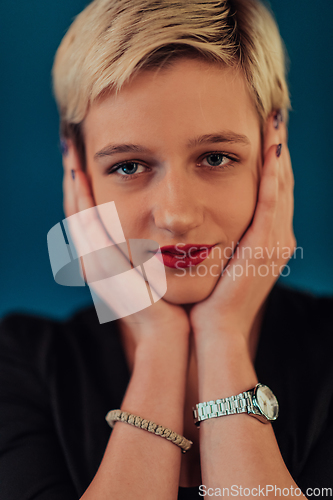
(176, 205)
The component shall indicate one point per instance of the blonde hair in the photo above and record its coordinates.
(111, 40)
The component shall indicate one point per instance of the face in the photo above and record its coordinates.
(179, 152)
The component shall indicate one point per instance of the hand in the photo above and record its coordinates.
(159, 319)
(242, 289)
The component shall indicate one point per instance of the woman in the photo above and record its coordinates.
(176, 112)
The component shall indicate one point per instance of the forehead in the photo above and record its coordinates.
(188, 98)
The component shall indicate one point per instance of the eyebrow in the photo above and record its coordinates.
(223, 137)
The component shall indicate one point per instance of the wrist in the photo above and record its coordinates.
(225, 341)
(140, 336)
(157, 386)
(224, 368)
(167, 340)
(225, 329)
(162, 350)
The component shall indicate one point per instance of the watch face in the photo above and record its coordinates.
(267, 402)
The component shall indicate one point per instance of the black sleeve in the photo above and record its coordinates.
(317, 473)
(32, 465)
(316, 476)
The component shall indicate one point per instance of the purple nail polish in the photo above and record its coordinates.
(278, 118)
(63, 147)
(73, 174)
(278, 150)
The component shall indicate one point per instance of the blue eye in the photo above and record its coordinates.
(216, 159)
(128, 168)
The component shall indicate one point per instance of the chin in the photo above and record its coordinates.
(189, 290)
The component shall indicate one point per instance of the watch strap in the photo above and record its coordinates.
(242, 403)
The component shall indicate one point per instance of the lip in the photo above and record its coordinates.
(181, 256)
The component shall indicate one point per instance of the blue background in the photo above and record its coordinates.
(31, 169)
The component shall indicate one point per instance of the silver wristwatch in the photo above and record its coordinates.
(259, 402)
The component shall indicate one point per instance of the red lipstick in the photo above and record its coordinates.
(180, 255)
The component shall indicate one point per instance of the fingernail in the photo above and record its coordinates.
(73, 174)
(278, 118)
(63, 147)
(278, 150)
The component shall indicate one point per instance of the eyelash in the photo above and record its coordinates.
(129, 177)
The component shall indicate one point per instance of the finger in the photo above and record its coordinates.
(268, 194)
(275, 131)
(287, 167)
(100, 222)
(282, 221)
(88, 228)
(104, 253)
(264, 216)
(71, 159)
(286, 178)
(286, 186)
(85, 226)
(100, 258)
(84, 196)
(71, 165)
(69, 201)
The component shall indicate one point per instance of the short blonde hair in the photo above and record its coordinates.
(111, 40)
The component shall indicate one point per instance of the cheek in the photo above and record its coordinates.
(104, 192)
(101, 191)
(237, 206)
(129, 206)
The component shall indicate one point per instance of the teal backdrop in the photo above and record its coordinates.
(31, 170)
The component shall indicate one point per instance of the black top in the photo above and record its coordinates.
(58, 379)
